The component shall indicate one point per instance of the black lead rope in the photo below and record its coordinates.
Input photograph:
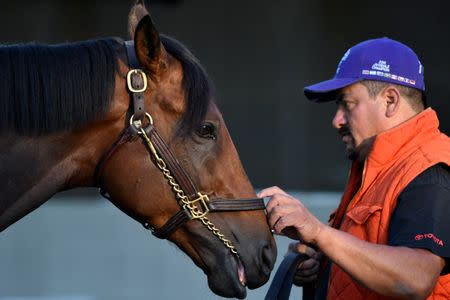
(280, 288)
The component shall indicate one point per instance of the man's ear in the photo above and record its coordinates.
(391, 97)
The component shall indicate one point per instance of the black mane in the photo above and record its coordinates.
(198, 87)
(48, 88)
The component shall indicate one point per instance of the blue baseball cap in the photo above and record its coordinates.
(381, 59)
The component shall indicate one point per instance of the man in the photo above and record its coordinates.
(389, 237)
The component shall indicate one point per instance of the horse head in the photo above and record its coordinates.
(234, 247)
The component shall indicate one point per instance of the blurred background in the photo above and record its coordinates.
(260, 55)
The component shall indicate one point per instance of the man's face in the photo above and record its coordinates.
(358, 119)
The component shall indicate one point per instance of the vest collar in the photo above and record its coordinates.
(399, 140)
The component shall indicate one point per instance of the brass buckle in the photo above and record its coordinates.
(199, 213)
(130, 85)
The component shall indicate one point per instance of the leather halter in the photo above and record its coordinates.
(136, 82)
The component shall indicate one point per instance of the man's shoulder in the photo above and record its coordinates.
(438, 174)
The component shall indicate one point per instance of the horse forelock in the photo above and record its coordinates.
(49, 88)
(197, 85)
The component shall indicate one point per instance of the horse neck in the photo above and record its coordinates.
(33, 169)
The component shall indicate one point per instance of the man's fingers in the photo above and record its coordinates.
(276, 200)
(308, 269)
(305, 249)
(276, 214)
(279, 220)
(307, 272)
(269, 192)
(307, 264)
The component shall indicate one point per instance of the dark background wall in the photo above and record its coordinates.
(260, 54)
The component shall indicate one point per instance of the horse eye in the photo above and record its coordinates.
(207, 131)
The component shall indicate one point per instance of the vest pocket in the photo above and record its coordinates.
(361, 213)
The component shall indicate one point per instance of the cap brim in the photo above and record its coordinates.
(326, 90)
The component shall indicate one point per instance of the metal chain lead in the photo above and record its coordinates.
(186, 203)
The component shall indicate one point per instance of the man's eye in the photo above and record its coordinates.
(208, 131)
(349, 105)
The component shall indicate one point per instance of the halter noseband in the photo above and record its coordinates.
(194, 204)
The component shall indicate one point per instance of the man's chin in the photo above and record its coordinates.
(360, 151)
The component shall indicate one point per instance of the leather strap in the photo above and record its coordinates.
(133, 63)
(186, 184)
(235, 204)
(280, 288)
(172, 163)
(214, 205)
(125, 136)
(174, 222)
(188, 187)
(137, 82)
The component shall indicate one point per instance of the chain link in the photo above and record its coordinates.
(181, 196)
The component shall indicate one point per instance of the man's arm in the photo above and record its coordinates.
(392, 271)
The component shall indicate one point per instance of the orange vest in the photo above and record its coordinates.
(396, 158)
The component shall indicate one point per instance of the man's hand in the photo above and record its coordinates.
(288, 216)
(307, 270)
(392, 271)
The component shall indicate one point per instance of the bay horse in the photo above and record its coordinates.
(138, 120)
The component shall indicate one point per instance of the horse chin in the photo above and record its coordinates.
(228, 280)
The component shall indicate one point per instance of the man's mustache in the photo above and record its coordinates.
(344, 131)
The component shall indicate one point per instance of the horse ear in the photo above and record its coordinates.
(147, 44)
(137, 12)
(146, 38)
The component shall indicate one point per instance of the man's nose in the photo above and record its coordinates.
(339, 119)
